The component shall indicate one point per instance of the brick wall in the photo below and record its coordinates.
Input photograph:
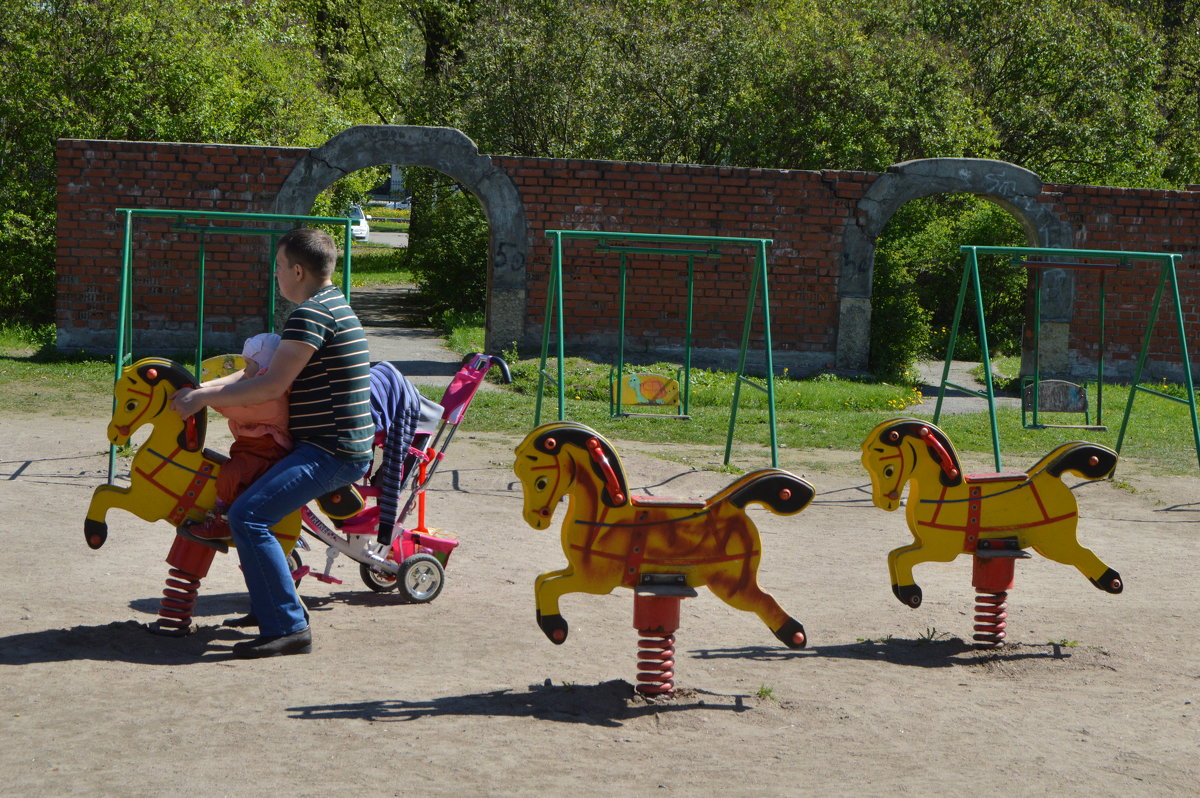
(805, 213)
(1136, 220)
(95, 178)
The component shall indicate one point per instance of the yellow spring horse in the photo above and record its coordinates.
(172, 478)
(992, 516)
(612, 539)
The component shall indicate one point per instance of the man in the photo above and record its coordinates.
(324, 362)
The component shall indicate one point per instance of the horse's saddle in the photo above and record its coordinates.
(342, 503)
(665, 501)
(1011, 476)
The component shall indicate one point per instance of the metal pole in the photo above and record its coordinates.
(200, 312)
(1037, 344)
(987, 363)
(124, 297)
(1141, 361)
(762, 270)
(555, 269)
(1187, 363)
(621, 284)
(969, 262)
(687, 356)
(741, 368)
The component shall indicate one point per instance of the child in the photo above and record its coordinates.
(324, 362)
(260, 439)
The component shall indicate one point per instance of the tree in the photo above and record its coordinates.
(146, 70)
(1068, 85)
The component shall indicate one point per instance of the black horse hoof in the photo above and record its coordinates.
(1109, 582)
(95, 533)
(555, 627)
(908, 594)
(791, 634)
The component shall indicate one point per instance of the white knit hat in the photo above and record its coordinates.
(261, 348)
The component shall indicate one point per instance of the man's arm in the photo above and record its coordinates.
(289, 360)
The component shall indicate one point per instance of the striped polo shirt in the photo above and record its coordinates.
(330, 401)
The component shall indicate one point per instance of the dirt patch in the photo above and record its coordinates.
(1095, 694)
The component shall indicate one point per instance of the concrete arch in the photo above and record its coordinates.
(1015, 189)
(451, 152)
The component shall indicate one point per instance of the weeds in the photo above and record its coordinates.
(932, 635)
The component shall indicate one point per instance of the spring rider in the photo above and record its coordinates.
(172, 478)
(993, 517)
(660, 548)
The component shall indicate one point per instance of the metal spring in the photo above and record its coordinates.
(991, 618)
(178, 601)
(656, 663)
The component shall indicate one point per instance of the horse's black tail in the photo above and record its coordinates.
(1086, 460)
(782, 492)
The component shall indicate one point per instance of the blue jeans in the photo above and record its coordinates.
(306, 473)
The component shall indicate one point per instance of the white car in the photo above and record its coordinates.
(359, 229)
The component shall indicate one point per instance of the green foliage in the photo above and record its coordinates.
(448, 244)
(1093, 91)
(19, 336)
(353, 189)
(1068, 86)
(899, 325)
(27, 260)
(917, 279)
(149, 70)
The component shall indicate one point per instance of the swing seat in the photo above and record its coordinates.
(1057, 396)
(643, 389)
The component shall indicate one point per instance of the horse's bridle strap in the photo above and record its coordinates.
(188, 499)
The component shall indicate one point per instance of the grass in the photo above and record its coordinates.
(831, 413)
(823, 413)
(378, 264)
(36, 379)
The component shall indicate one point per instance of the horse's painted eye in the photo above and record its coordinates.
(131, 405)
(540, 483)
(888, 471)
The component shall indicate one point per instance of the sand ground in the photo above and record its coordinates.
(1095, 694)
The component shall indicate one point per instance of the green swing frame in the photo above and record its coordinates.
(687, 246)
(1167, 262)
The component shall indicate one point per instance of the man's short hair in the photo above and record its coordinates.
(313, 249)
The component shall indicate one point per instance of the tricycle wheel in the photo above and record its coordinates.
(378, 581)
(295, 564)
(422, 576)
